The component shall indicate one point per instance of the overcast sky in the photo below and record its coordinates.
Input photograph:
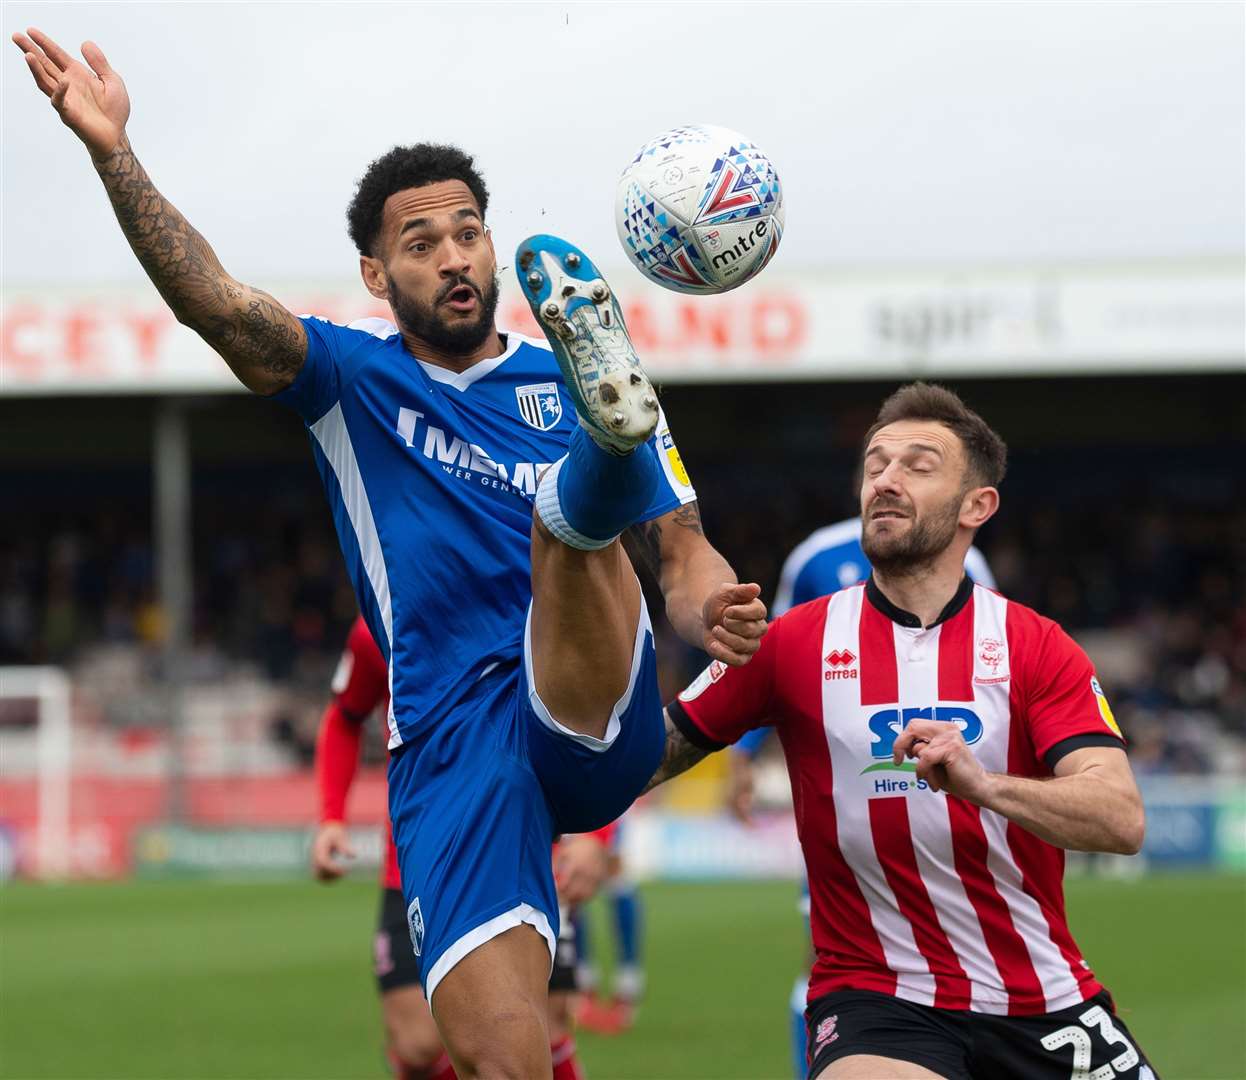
(901, 133)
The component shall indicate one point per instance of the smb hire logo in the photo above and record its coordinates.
(885, 727)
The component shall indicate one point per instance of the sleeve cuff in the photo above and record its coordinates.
(688, 728)
(1078, 742)
(290, 395)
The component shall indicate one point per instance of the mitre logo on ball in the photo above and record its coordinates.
(700, 209)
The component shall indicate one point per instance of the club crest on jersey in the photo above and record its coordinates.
(539, 405)
(415, 923)
(992, 662)
(991, 653)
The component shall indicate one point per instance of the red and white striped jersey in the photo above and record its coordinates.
(916, 893)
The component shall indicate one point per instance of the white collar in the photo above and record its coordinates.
(461, 380)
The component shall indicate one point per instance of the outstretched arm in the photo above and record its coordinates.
(262, 342)
(704, 603)
(678, 756)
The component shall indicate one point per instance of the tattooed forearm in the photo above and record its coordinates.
(643, 543)
(263, 343)
(678, 756)
(689, 516)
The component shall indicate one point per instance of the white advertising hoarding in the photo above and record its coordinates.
(1074, 319)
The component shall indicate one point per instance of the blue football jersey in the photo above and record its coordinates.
(431, 476)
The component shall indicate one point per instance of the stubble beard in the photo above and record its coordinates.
(926, 539)
(425, 321)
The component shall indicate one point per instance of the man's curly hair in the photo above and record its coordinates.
(407, 167)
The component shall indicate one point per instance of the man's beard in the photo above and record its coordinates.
(925, 539)
(425, 321)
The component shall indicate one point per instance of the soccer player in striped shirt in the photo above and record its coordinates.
(829, 559)
(944, 747)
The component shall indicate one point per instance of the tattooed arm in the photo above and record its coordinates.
(679, 755)
(261, 341)
(703, 602)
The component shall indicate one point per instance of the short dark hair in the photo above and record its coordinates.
(985, 450)
(407, 167)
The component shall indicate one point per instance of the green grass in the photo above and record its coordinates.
(196, 979)
(1173, 952)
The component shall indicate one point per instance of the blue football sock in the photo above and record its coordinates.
(625, 900)
(586, 970)
(800, 1034)
(592, 495)
(583, 936)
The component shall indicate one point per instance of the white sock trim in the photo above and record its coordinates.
(549, 509)
(487, 931)
(615, 724)
(629, 982)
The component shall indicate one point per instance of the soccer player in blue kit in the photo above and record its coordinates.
(524, 701)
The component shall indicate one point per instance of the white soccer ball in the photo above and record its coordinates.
(700, 209)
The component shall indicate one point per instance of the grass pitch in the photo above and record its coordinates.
(198, 979)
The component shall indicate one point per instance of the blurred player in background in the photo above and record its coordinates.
(829, 559)
(616, 1013)
(360, 685)
(524, 701)
(944, 747)
(360, 688)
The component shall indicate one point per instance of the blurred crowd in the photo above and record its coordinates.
(1156, 593)
(1159, 600)
(269, 590)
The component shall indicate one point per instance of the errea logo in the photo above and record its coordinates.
(841, 664)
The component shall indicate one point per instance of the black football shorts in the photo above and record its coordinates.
(393, 958)
(1086, 1040)
(566, 955)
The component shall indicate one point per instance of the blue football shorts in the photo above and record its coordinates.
(477, 801)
